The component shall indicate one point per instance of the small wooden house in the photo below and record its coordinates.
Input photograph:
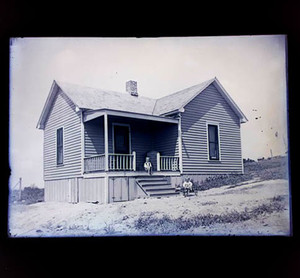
(96, 141)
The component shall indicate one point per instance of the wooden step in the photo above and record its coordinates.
(147, 179)
(154, 183)
(157, 186)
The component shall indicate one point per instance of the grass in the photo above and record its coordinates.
(149, 223)
(269, 169)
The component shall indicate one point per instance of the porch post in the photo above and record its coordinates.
(180, 144)
(134, 161)
(82, 143)
(158, 161)
(106, 142)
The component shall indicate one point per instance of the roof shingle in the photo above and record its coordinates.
(91, 98)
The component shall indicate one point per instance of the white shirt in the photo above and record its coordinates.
(147, 165)
(187, 184)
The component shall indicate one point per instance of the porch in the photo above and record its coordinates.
(118, 143)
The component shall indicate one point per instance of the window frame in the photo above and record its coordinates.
(216, 124)
(62, 146)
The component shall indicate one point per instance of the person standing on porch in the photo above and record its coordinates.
(148, 166)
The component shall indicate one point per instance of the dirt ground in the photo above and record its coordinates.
(47, 219)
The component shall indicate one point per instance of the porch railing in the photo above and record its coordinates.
(94, 163)
(168, 163)
(121, 162)
(127, 162)
(116, 162)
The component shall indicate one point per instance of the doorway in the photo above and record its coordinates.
(121, 138)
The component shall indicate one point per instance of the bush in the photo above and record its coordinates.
(29, 195)
(33, 195)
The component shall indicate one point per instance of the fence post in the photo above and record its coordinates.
(20, 189)
(158, 161)
(134, 161)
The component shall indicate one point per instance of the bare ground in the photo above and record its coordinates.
(250, 208)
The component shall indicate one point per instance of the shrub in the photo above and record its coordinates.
(29, 194)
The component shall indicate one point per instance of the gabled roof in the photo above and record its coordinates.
(178, 100)
(97, 99)
(91, 98)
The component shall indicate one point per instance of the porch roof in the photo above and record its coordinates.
(92, 114)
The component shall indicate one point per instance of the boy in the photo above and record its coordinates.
(148, 166)
(187, 186)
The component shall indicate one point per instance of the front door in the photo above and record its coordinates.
(121, 139)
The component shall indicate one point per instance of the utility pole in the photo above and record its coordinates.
(20, 189)
(271, 153)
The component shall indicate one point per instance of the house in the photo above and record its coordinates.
(96, 141)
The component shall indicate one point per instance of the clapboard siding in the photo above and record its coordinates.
(166, 139)
(94, 137)
(62, 114)
(210, 106)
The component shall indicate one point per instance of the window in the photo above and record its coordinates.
(59, 146)
(213, 142)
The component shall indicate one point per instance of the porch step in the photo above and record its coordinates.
(151, 178)
(152, 188)
(157, 186)
(154, 183)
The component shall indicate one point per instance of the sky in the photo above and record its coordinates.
(252, 69)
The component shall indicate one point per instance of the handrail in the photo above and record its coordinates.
(141, 187)
(96, 155)
(123, 154)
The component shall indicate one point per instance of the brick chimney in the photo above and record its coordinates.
(131, 88)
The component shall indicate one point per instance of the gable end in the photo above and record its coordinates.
(226, 97)
(55, 89)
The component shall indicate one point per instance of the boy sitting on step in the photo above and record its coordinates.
(148, 166)
(187, 186)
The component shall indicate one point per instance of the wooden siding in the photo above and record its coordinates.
(92, 190)
(166, 139)
(118, 189)
(62, 114)
(210, 106)
(94, 137)
(123, 189)
(64, 190)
